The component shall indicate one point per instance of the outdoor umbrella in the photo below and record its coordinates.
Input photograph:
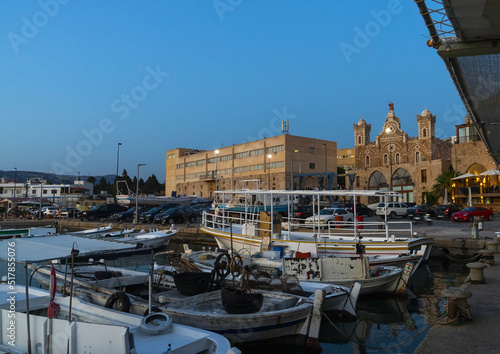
(466, 175)
(491, 172)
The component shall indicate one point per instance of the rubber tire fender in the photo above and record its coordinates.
(121, 299)
(156, 323)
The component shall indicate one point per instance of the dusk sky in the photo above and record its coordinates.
(78, 77)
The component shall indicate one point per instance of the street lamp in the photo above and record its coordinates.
(269, 171)
(137, 192)
(291, 167)
(326, 165)
(117, 159)
(216, 169)
(389, 131)
(15, 181)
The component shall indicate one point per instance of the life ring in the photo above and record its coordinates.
(156, 323)
(121, 299)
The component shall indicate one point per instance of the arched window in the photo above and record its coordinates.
(385, 159)
(359, 139)
(377, 180)
(424, 133)
(367, 161)
(397, 158)
(417, 156)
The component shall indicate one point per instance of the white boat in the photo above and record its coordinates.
(348, 270)
(130, 199)
(27, 232)
(95, 232)
(248, 232)
(80, 327)
(153, 239)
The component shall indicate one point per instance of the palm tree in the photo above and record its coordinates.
(444, 182)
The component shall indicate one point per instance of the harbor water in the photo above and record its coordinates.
(384, 324)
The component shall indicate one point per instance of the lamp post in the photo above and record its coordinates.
(216, 169)
(117, 159)
(269, 171)
(15, 181)
(389, 131)
(291, 167)
(137, 192)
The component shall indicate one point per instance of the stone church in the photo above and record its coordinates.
(394, 160)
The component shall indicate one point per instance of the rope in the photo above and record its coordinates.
(456, 260)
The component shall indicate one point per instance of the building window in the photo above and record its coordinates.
(424, 133)
(225, 171)
(385, 159)
(241, 169)
(190, 164)
(466, 134)
(367, 161)
(423, 176)
(359, 139)
(417, 156)
(170, 156)
(181, 165)
(397, 158)
(200, 162)
(257, 167)
(312, 166)
(212, 160)
(256, 152)
(277, 164)
(312, 150)
(241, 155)
(226, 157)
(275, 148)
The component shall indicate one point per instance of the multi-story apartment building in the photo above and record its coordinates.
(269, 162)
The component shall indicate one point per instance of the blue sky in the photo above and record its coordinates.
(78, 77)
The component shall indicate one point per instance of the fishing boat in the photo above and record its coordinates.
(27, 232)
(339, 300)
(250, 232)
(99, 231)
(153, 239)
(75, 326)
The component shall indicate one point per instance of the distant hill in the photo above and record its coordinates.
(23, 176)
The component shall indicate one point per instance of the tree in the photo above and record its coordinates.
(443, 182)
(152, 186)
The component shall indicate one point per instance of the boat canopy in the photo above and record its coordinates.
(40, 249)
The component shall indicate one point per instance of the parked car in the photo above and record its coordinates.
(467, 214)
(392, 210)
(300, 212)
(102, 211)
(328, 215)
(128, 215)
(49, 211)
(421, 210)
(447, 210)
(179, 214)
(373, 206)
(148, 216)
(361, 209)
(69, 212)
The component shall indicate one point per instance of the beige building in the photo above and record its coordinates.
(271, 161)
(409, 165)
(346, 158)
(469, 155)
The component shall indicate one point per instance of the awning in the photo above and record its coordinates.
(491, 172)
(466, 175)
(465, 34)
(46, 248)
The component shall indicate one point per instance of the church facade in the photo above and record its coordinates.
(395, 161)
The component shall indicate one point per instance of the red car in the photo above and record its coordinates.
(467, 214)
